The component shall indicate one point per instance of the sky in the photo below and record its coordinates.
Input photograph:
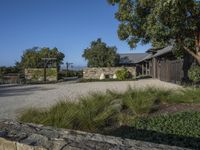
(69, 25)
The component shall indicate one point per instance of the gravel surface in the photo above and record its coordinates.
(14, 99)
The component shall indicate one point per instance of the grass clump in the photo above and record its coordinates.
(189, 95)
(91, 113)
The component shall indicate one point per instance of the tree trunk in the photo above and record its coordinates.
(195, 55)
(187, 62)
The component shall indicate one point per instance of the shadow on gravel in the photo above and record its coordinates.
(156, 137)
(10, 91)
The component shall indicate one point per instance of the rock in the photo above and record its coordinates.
(95, 73)
(102, 76)
(116, 105)
(37, 140)
(114, 76)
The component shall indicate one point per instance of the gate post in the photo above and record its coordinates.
(154, 67)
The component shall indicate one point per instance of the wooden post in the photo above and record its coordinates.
(142, 69)
(46, 60)
(146, 73)
(154, 67)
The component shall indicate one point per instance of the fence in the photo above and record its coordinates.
(170, 70)
(10, 79)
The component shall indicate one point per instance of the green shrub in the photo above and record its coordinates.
(189, 95)
(70, 73)
(179, 129)
(122, 74)
(51, 72)
(182, 124)
(194, 73)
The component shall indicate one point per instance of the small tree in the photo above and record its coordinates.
(123, 74)
(101, 55)
(33, 57)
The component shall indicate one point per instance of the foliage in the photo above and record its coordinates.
(101, 55)
(32, 58)
(91, 113)
(6, 70)
(194, 73)
(179, 129)
(160, 22)
(70, 73)
(182, 124)
(122, 74)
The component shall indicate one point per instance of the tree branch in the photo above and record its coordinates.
(190, 52)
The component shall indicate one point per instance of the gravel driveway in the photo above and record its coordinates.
(14, 99)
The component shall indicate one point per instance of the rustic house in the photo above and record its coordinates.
(159, 63)
(163, 65)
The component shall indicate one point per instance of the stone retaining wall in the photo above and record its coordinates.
(18, 136)
(95, 73)
(37, 74)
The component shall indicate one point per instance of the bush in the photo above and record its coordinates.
(182, 124)
(179, 129)
(194, 73)
(122, 74)
(70, 73)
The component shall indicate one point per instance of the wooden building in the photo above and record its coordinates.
(161, 64)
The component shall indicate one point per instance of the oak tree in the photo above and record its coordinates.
(160, 22)
(32, 58)
(101, 55)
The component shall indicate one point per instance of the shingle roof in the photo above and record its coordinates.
(163, 51)
(131, 58)
(149, 56)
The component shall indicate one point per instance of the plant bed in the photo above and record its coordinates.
(156, 112)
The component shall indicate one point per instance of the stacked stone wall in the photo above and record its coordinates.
(20, 136)
(95, 73)
(37, 74)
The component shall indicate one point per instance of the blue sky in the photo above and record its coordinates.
(69, 25)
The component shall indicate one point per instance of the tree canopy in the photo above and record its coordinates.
(6, 70)
(32, 58)
(160, 22)
(101, 55)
